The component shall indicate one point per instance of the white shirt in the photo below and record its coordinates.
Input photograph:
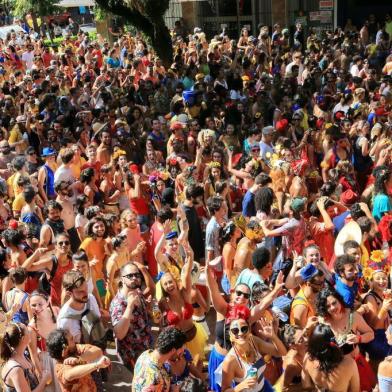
(27, 57)
(73, 326)
(264, 149)
(354, 70)
(63, 174)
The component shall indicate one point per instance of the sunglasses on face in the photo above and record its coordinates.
(132, 275)
(255, 149)
(236, 331)
(239, 293)
(61, 243)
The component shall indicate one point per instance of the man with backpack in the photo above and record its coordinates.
(80, 315)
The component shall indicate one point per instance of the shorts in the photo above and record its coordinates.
(101, 286)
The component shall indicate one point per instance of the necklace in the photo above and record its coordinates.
(246, 355)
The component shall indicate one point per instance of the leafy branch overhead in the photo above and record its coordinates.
(146, 16)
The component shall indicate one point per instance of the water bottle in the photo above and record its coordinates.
(385, 249)
(279, 314)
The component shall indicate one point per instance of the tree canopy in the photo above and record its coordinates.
(147, 17)
(38, 7)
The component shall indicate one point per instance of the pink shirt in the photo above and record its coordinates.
(133, 238)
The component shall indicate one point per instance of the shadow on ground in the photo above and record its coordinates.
(120, 378)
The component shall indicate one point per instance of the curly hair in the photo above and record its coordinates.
(170, 338)
(91, 223)
(288, 333)
(56, 342)
(321, 300)
(341, 261)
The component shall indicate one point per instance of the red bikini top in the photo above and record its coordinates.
(173, 318)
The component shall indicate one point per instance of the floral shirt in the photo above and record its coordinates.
(149, 376)
(139, 337)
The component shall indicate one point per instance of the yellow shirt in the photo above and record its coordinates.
(77, 167)
(18, 203)
(16, 136)
(95, 249)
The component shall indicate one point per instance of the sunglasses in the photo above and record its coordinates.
(132, 275)
(245, 295)
(244, 329)
(61, 243)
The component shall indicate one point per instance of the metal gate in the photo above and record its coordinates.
(302, 10)
(233, 15)
(173, 13)
(213, 15)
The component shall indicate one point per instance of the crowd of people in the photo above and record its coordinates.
(237, 200)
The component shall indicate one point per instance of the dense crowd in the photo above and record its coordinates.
(237, 200)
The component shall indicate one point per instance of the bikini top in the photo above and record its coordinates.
(173, 318)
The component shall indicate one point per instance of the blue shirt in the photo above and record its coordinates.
(338, 221)
(248, 204)
(346, 292)
(381, 205)
(249, 278)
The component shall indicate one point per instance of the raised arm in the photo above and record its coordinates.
(158, 252)
(219, 303)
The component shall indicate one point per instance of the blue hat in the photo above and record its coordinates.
(308, 272)
(171, 235)
(48, 151)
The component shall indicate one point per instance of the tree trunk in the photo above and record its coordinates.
(162, 43)
(35, 22)
(153, 27)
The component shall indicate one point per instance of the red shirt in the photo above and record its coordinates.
(155, 235)
(47, 58)
(323, 238)
(96, 166)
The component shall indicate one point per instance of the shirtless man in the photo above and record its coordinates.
(246, 246)
(104, 151)
(64, 194)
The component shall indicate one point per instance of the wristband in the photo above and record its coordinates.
(359, 337)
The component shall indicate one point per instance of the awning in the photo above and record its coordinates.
(76, 3)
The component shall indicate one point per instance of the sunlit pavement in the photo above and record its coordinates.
(120, 378)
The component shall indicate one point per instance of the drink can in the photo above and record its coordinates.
(252, 372)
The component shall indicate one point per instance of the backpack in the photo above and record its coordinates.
(43, 281)
(92, 329)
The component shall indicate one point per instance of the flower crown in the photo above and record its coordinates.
(250, 233)
(214, 164)
(118, 154)
(376, 263)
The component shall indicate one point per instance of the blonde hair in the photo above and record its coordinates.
(124, 216)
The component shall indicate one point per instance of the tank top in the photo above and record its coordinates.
(20, 316)
(55, 283)
(49, 182)
(300, 299)
(259, 364)
(29, 375)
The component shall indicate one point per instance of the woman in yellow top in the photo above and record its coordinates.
(16, 138)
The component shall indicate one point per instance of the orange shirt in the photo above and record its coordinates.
(95, 249)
